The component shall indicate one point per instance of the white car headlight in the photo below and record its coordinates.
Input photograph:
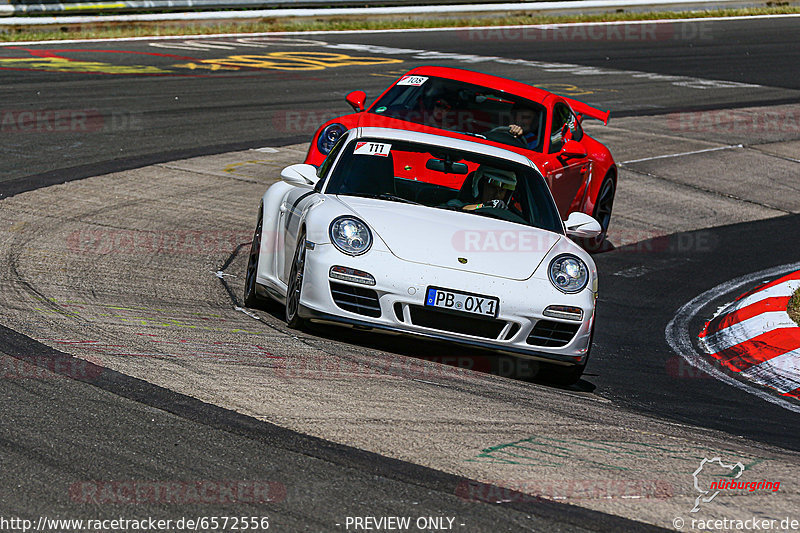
(568, 273)
(350, 235)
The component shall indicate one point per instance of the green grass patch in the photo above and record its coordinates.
(145, 29)
(794, 307)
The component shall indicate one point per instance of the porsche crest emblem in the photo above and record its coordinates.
(462, 260)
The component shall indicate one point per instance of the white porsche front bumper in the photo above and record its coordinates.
(396, 303)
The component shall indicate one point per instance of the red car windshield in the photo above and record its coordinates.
(464, 108)
(444, 178)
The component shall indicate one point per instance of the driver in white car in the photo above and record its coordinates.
(491, 187)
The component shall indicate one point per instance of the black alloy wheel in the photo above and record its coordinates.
(602, 213)
(251, 297)
(293, 319)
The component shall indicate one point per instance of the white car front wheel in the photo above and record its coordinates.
(293, 319)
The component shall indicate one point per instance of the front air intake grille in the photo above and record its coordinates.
(552, 334)
(466, 325)
(398, 312)
(513, 330)
(356, 299)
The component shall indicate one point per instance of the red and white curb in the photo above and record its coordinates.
(755, 339)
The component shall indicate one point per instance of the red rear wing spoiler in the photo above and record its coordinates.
(588, 111)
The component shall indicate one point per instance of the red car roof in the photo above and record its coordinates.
(486, 80)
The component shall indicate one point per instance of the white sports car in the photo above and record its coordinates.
(431, 236)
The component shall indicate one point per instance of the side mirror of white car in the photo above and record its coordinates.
(582, 225)
(300, 174)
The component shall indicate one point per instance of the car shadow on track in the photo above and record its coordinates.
(453, 355)
(456, 358)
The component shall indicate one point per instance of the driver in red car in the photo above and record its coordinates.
(441, 113)
(525, 125)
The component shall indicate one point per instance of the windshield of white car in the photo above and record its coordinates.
(465, 108)
(444, 178)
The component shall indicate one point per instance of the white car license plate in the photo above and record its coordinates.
(475, 304)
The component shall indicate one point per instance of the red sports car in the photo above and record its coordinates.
(541, 125)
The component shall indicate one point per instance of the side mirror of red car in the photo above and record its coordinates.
(356, 100)
(573, 149)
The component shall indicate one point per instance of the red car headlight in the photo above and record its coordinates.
(328, 137)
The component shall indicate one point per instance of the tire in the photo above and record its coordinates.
(293, 319)
(251, 297)
(603, 208)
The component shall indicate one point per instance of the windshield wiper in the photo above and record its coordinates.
(382, 196)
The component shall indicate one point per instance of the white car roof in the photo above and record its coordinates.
(441, 140)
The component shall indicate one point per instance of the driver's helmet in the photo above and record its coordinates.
(505, 179)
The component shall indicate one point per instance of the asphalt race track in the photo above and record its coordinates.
(196, 108)
(130, 178)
